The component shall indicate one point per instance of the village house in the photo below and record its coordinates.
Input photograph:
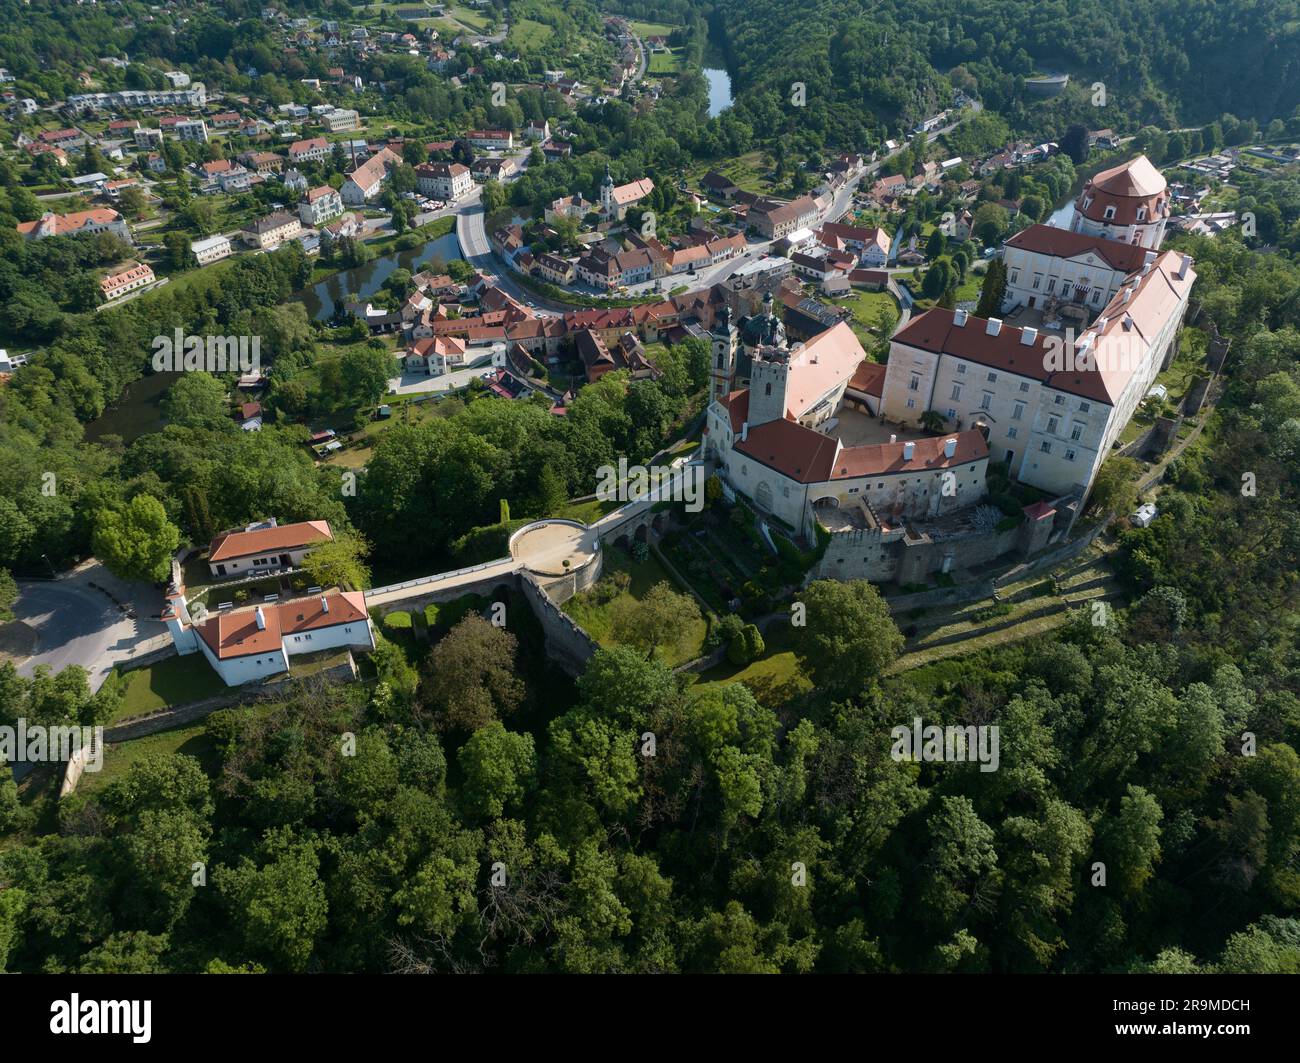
(447, 181)
(367, 180)
(77, 223)
(319, 206)
(775, 220)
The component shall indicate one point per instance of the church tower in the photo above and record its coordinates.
(607, 194)
(724, 339)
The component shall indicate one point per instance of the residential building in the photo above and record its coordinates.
(319, 206)
(311, 150)
(775, 219)
(443, 180)
(132, 277)
(491, 139)
(213, 249)
(272, 230)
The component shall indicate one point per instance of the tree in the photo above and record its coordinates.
(339, 562)
(196, 400)
(990, 221)
(1114, 489)
(936, 245)
(848, 638)
(471, 680)
(493, 197)
(499, 767)
(993, 291)
(279, 908)
(661, 619)
(366, 372)
(933, 421)
(1075, 143)
(135, 539)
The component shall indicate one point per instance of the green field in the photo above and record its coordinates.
(651, 29)
(173, 681)
(664, 63)
(526, 35)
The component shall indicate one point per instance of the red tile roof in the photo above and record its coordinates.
(1061, 243)
(264, 540)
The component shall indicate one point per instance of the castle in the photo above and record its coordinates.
(892, 460)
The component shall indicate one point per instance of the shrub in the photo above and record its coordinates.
(397, 621)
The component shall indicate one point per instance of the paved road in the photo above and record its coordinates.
(78, 624)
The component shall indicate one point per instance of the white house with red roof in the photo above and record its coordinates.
(265, 547)
(245, 645)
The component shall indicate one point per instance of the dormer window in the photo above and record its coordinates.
(1109, 213)
(1142, 214)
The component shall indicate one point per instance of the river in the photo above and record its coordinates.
(364, 281)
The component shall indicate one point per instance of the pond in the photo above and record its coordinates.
(364, 281)
(719, 90)
(136, 411)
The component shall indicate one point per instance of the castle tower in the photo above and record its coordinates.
(1129, 203)
(724, 340)
(767, 385)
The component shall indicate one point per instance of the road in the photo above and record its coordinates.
(76, 623)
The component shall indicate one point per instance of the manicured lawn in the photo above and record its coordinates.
(774, 679)
(173, 681)
(596, 617)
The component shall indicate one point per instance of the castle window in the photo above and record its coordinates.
(1046, 448)
(911, 404)
(1051, 284)
(1084, 407)
(1142, 214)
(993, 378)
(767, 388)
(1069, 455)
(986, 401)
(914, 384)
(1109, 213)
(1076, 433)
(1052, 422)
(1018, 412)
(956, 391)
(961, 368)
(951, 413)
(1012, 433)
(1024, 385)
(1038, 277)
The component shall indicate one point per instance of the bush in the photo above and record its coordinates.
(397, 621)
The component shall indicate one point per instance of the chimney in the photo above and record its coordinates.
(261, 619)
(959, 319)
(949, 448)
(324, 604)
(1028, 336)
(893, 437)
(908, 450)
(994, 326)
(1183, 267)
(744, 431)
